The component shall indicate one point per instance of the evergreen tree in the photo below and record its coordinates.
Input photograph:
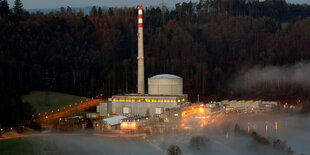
(100, 12)
(4, 7)
(110, 12)
(93, 12)
(69, 10)
(80, 13)
(63, 11)
(18, 7)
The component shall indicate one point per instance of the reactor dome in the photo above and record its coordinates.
(165, 84)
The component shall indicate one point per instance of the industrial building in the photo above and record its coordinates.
(110, 123)
(134, 122)
(165, 91)
(244, 105)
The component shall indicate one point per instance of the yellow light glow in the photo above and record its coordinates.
(201, 125)
(248, 127)
(201, 110)
(266, 128)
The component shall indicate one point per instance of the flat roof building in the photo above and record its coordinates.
(146, 104)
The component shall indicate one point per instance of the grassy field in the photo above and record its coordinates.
(20, 146)
(43, 101)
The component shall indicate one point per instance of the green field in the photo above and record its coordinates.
(20, 146)
(43, 101)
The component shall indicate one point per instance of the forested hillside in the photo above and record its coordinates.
(206, 43)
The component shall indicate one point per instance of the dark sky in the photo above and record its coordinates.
(40, 4)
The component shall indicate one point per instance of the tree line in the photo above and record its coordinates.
(206, 43)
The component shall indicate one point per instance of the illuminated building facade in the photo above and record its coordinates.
(145, 105)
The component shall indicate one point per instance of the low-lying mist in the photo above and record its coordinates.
(291, 130)
(293, 79)
(218, 137)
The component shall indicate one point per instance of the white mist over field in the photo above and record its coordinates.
(257, 77)
(221, 138)
(293, 129)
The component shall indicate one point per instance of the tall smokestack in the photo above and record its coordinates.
(140, 52)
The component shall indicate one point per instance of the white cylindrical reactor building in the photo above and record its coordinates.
(165, 84)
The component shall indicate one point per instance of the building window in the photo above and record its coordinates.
(158, 111)
(126, 110)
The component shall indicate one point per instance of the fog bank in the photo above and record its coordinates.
(273, 76)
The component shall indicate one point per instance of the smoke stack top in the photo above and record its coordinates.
(140, 20)
(140, 57)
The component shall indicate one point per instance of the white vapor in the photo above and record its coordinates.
(261, 77)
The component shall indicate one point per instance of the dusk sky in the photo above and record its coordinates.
(40, 4)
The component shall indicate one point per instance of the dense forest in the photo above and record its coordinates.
(207, 43)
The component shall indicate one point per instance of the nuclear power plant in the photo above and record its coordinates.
(165, 91)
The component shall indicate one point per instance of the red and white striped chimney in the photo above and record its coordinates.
(140, 57)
